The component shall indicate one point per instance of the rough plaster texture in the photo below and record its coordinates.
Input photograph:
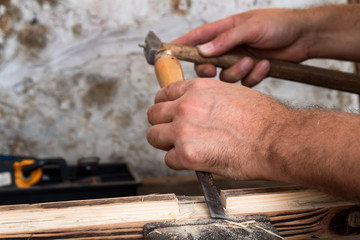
(74, 83)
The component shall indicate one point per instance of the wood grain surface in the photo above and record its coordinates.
(296, 212)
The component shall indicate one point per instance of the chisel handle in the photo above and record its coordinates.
(279, 69)
(168, 70)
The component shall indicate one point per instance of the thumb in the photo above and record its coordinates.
(242, 34)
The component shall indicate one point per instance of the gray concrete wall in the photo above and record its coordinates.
(74, 83)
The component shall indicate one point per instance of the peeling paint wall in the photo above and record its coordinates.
(74, 83)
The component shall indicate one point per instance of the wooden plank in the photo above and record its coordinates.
(37, 218)
(180, 185)
(277, 199)
(296, 212)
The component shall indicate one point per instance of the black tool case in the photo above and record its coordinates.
(61, 183)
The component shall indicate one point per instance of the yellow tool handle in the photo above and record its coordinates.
(168, 70)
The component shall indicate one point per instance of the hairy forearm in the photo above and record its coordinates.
(333, 31)
(319, 149)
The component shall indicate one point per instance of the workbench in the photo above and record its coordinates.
(296, 212)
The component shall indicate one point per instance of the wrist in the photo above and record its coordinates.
(308, 23)
(276, 139)
(330, 31)
(293, 142)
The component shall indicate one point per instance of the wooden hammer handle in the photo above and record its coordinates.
(278, 69)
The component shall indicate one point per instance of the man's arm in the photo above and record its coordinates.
(286, 34)
(319, 149)
(243, 134)
(336, 32)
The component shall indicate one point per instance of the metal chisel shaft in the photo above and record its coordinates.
(211, 194)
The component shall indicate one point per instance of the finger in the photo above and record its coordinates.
(160, 113)
(238, 71)
(161, 136)
(260, 71)
(242, 34)
(205, 70)
(171, 92)
(207, 31)
(172, 161)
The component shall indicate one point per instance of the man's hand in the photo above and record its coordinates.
(209, 125)
(271, 33)
(285, 34)
(240, 133)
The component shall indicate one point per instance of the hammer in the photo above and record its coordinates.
(279, 69)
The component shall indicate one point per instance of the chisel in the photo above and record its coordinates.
(168, 70)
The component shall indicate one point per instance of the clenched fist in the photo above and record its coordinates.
(218, 127)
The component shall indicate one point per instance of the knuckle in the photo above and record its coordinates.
(248, 81)
(255, 31)
(228, 76)
(200, 83)
(256, 76)
(200, 69)
(205, 70)
(173, 90)
(150, 114)
(184, 131)
(169, 161)
(221, 40)
(197, 34)
(168, 91)
(190, 155)
(184, 107)
(252, 79)
(151, 136)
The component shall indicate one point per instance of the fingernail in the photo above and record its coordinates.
(246, 65)
(206, 48)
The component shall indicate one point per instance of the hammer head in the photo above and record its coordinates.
(151, 47)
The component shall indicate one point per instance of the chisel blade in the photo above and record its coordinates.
(211, 195)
